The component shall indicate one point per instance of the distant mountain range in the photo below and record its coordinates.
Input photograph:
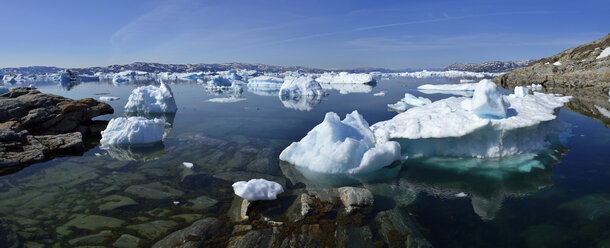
(495, 66)
(490, 66)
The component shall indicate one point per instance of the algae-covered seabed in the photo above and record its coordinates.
(147, 192)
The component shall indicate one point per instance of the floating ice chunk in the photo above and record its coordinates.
(151, 99)
(466, 80)
(109, 98)
(380, 93)
(461, 194)
(557, 63)
(133, 130)
(341, 146)
(3, 89)
(263, 83)
(536, 87)
(129, 76)
(227, 99)
(604, 53)
(345, 78)
(302, 86)
(445, 127)
(521, 91)
(187, 164)
(232, 75)
(347, 88)
(409, 101)
(448, 87)
(257, 189)
(487, 102)
(219, 81)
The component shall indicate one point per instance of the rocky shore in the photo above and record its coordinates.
(582, 72)
(35, 127)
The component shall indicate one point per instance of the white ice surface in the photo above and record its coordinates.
(257, 189)
(448, 87)
(301, 86)
(133, 130)
(341, 146)
(347, 88)
(380, 93)
(409, 101)
(151, 99)
(227, 99)
(187, 164)
(344, 78)
(109, 98)
(487, 102)
(520, 92)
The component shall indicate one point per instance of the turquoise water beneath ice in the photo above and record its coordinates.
(563, 201)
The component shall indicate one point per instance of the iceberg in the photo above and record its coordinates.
(227, 99)
(130, 76)
(345, 146)
(345, 78)
(487, 102)
(151, 99)
(409, 101)
(257, 189)
(265, 84)
(219, 81)
(454, 127)
(448, 87)
(302, 86)
(133, 130)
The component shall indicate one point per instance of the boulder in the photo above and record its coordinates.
(192, 236)
(356, 198)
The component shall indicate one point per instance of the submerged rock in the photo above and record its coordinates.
(355, 198)
(127, 241)
(88, 222)
(154, 190)
(94, 239)
(192, 236)
(398, 230)
(8, 237)
(154, 229)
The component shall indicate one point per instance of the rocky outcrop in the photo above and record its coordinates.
(489, 66)
(577, 67)
(35, 126)
(192, 236)
(579, 71)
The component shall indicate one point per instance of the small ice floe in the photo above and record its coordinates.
(461, 194)
(227, 99)
(176, 203)
(133, 130)
(151, 99)
(187, 164)
(257, 189)
(338, 146)
(380, 93)
(448, 87)
(109, 98)
(409, 101)
(345, 78)
(466, 80)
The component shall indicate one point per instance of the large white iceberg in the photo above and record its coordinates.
(448, 87)
(133, 130)
(257, 189)
(341, 146)
(151, 99)
(265, 83)
(348, 88)
(301, 86)
(409, 101)
(487, 102)
(452, 126)
(130, 76)
(345, 78)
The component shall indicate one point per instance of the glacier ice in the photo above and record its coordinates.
(151, 99)
(487, 102)
(452, 127)
(345, 78)
(347, 88)
(257, 189)
(409, 101)
(338, 146)
(133, 130)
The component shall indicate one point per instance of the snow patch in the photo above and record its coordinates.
(604, 53)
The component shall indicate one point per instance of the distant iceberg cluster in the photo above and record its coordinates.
(341, 146)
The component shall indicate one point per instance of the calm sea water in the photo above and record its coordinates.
(563, 201)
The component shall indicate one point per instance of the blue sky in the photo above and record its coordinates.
(326, 34)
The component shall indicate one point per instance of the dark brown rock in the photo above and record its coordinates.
(35, 126)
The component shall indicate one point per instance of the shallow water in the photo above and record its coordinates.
(558, 198)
